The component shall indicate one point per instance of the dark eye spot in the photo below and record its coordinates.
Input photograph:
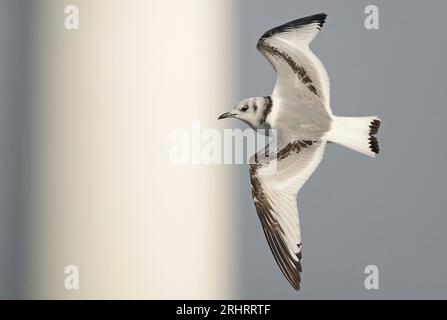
(244, 108)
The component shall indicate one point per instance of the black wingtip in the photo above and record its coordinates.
(319, 18)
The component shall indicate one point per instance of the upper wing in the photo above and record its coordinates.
(274, 195)
(300, 74)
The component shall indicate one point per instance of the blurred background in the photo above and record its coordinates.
(85, 178)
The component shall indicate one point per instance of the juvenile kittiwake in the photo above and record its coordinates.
(299, 110)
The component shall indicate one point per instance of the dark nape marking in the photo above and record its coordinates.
(302, 74)
(296, 24)
(373, 142)
(267, 109)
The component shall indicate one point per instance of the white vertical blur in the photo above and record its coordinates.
(104, 196)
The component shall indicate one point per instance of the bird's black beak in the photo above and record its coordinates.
(226, 115)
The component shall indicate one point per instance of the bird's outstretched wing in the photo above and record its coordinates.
(274, 194)
(300, 74)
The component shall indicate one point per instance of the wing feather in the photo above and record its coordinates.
(300, 74)
(274, 196)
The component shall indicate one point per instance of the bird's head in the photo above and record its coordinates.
(251, 111)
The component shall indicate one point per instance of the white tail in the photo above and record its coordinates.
(357, 133)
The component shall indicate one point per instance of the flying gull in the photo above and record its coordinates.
(299, 109)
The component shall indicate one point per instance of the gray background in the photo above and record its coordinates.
(15, 44)
(355, 210)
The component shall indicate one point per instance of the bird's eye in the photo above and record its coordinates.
(245, 108)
